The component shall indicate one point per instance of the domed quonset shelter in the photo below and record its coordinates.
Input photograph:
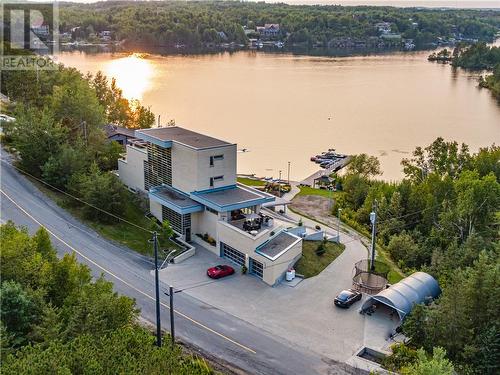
(401, 297)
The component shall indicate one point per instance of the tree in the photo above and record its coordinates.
(440, 157)
(108, 155)
(438, 364)
(60, 167)
(37, 136)
(405, 251)
(364, 165)
(42, 243)
(19, 311)
(105, 194)
(68, 278)
(166, 229)
(401, 356)
(356, 188)
(478, 199)
(96, 310)
(75, 104)
(142, 117)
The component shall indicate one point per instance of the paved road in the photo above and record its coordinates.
(213, 331)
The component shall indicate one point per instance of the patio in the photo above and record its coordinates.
(251, 223)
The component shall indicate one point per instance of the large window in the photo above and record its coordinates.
(178, 222)
(158, 167)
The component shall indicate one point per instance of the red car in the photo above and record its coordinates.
(220, 271)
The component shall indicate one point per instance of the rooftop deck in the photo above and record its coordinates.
(254, 230)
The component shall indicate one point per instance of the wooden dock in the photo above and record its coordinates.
(309, 181)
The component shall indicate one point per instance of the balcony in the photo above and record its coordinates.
(247, 238)
(253, 223)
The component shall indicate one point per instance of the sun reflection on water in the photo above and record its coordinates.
(133, 74)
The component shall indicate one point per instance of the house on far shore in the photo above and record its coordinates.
(105, 35)
(119, 134)
(42, 30)
(222, 35)
(383, 27)
(269, 30)
(190, 179)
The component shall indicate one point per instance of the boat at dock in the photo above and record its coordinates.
(328, 158)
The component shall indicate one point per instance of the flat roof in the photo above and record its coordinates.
(277, 245)
(232, 197)
(181, 135)
(175, 200)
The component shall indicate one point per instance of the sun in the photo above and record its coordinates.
(133, 74)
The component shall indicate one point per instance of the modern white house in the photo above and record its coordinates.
(190, 179)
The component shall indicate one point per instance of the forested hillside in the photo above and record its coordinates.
(194, 23)
(477, 56)
(56, 320)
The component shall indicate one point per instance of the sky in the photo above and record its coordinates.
(398, 3)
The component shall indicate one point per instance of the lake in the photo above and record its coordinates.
(284, 107)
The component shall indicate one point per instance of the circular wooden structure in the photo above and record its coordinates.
(367, 281)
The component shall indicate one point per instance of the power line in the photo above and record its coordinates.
(417, 212)
(78, 199)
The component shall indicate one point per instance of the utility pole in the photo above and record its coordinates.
(279, 183)
(171, 295)
(288, 173)
(172, 328)
(157, 290)
(159, 121)
(338, 225)
(373, 220)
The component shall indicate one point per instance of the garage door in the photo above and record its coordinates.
(256, 268)
(232, 254)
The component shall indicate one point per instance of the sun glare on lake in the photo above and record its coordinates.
(133, 75)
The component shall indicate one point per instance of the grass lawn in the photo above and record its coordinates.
(394, 274)
(311, 264)
(251, 182)
(119, 231)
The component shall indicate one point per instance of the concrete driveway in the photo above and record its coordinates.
(303, 315)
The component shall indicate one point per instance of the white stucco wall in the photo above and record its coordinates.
(191, 170)
(225, 167)
(155, 209)
(131, 170)
(240, 240)
(201, 223)
(184, 167)
(273, 270)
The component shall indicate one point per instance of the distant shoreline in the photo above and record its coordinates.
(430, 4)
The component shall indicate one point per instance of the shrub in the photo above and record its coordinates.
(321, 249)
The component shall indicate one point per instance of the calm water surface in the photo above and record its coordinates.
(287, 108)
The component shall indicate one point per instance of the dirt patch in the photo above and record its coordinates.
(318, 208)
(314, 206)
